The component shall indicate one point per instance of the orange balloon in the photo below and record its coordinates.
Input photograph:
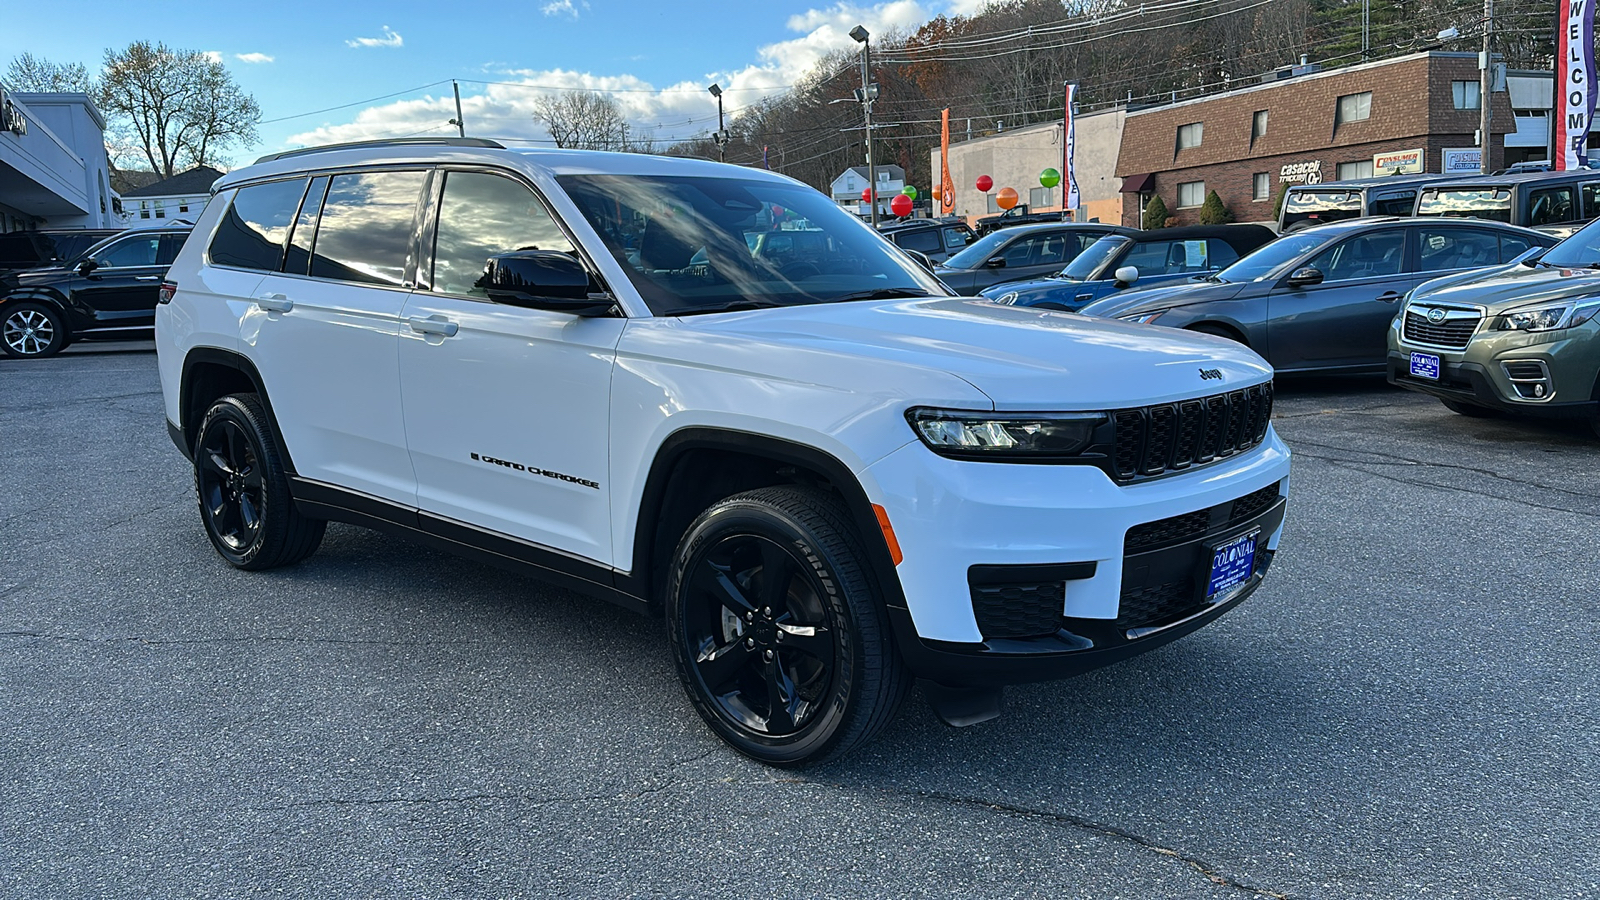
(1007, 198)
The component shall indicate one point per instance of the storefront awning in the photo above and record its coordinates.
(1137, 184)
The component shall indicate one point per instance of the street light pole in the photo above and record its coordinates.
(868, 94)
(721, 137)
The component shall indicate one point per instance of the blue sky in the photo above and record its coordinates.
(297, 58)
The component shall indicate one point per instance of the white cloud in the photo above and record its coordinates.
(967, 7)
(564, 8)
(389, 39)
(212, 55)
(252, 57)
(669, 112)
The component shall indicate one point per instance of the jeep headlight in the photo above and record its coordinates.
(1548, 316)
(989, 435)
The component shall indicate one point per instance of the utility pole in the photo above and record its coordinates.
(461, 126)
(869, 92)
(1366, 30)
(721, 137)
(1485, 84)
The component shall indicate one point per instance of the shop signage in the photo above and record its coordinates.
(1301, 173)
(1399, 162)
(1463, 161)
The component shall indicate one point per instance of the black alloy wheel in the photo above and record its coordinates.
(780, 640)
(243, 489)
(32, 331)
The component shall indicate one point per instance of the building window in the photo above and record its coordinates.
(144, 213)
(1465, 94)
(1258, 125)
(1361, 169)
(994, 203)
(1260, 186)
(1190, 135)
(183, 208)
(1039, 196)
(1191, 193)
(1354, 108)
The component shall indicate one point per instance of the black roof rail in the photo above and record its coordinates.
(389, 142)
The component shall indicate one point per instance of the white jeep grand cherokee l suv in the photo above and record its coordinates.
(709, 393)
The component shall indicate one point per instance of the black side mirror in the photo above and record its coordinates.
(1305, 277)
(545, 279)
(87, 266)
(995, 262)
(1532, 256)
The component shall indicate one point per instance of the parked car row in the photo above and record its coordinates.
(1558, 202)
(97, 291)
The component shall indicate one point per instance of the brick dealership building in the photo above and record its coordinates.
(1303, 125)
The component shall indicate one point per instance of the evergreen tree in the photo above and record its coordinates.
(1155, 213)
(1212, 212)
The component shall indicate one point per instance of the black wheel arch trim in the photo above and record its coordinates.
(42, 296)
(640, 579)
(233, 360)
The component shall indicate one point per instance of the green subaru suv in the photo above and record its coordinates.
(1522, 338)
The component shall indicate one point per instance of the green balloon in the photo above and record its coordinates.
(1050, 177)
(910, 192)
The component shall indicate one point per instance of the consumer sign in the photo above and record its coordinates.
(1400, 162)
(1301, 173)
(1462, 161)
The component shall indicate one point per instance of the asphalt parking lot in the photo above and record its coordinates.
(1407, 708)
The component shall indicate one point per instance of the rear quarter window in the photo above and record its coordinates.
(252, 231)
(925, 240)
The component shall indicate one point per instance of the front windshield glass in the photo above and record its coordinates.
(1272, 258)
(975, 254)
(1086, 266)
(1320, 206)
(692, 244)
(1486, 203)
(1579, 251)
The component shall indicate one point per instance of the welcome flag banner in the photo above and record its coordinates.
(1069, 130)
(1574, 100)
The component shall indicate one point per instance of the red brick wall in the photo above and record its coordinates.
(1412, 106)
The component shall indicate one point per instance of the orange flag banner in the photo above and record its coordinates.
(947, 188)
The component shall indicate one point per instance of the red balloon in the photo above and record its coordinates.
(777, 210)
(900, 205)
(866, 195)
(985, 182)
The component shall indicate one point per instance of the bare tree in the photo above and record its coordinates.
(35, 73)
(583, 120)
(177, 108)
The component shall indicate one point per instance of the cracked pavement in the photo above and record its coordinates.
(1406, 708)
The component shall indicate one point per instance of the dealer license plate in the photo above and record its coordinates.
(1232, 564)
(1425, 365)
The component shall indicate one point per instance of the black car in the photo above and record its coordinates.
(108, 293)
(1016, 215)
(937, 239)
(1024, 251)
(21, 250)
(1321, 300)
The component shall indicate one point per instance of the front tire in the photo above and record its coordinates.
(780, 638)
(32, 331)
(243, 489)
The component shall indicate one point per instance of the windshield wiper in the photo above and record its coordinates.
(731, 305)
(881, 294)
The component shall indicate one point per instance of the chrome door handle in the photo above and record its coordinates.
(274, 303)
(433, 325)
(147, 278)
(1389, 296)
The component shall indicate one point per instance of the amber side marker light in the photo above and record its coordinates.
(888, 533)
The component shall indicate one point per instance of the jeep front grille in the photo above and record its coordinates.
(1452, 333)
(1171, 437)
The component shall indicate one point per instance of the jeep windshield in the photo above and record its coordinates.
(1086, 266)
(1492, 203)
(700, 245)
(1320, 206)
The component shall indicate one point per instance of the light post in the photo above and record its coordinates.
(721, 137)
(869, 93)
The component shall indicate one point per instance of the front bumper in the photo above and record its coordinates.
(957, 520)
(1481, 373)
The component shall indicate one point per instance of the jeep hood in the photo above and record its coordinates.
(1506, 287)
(1020, 357)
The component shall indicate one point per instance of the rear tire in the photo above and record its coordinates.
(793, 669)
(243, 489)
(32, 331)
(1467, 409)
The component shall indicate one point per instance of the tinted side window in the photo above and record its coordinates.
(1018, 252)
(251, 233)
(956, 238)
(170, 245)
(137, 251)
(1547, 207)
(1395, 204)
(925, 240)
(365, 232)
(1148, 256)
(1513, 246)
(70, 247)
(18, 250)
(1591, 199)
(1456, 248)
(1051, 250)
(1222, 254)
(298, 260)
(481, 215)
(1366, 256)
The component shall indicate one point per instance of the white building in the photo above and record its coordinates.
(1015, 158)
(180, 197)
(846, 189)
(53, 167)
